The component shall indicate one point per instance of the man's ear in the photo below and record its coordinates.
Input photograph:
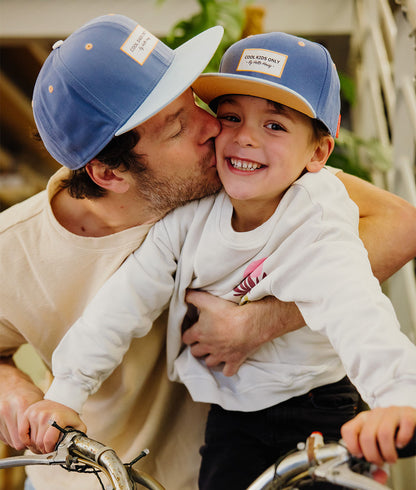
(107, 178)
(323, 149)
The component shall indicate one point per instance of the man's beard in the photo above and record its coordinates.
(165, 194)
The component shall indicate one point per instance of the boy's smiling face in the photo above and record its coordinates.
(262, 148)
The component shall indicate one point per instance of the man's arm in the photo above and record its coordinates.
(17, 393)
(387, 225)
(227, 333)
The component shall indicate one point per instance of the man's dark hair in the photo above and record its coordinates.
(118, 153)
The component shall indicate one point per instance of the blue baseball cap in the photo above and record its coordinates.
(280, 67)
(108, 77)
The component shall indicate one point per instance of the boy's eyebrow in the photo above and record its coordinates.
(274, 107)
(278, 107)
(282, 109)
(227, 99)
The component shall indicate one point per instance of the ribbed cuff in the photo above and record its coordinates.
(68, 393)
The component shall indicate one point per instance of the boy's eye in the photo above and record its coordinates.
(275, 126)
(228, 117)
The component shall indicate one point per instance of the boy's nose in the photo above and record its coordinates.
(245, 136)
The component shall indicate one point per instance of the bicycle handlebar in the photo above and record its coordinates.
(324, 462)
(121, 477)
(76, 452)
(104, 456)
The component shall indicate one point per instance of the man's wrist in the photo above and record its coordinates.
(272, 318)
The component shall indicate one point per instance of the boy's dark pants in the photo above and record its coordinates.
(239, 446)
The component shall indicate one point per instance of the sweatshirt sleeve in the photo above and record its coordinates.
(125, 307)
(323, 266)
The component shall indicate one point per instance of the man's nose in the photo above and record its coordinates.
(210, 126)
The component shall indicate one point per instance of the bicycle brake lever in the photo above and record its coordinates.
(60, 456)
(337, 471)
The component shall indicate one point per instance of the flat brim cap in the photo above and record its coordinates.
(189, 61)
(107, 77)
(280, 67)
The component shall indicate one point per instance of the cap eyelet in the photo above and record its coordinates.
(88, 46)
(50, 88)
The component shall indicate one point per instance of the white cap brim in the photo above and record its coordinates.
(190, 60)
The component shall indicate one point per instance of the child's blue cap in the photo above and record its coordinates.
(108, 77)
(280, 67)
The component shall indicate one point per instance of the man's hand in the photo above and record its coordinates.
(375, 434)
(227, 333)
(17, 393)
(38, 420)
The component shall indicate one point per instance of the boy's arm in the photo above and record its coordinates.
(123, 308)
(228, 334)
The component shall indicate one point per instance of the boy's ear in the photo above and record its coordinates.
(323, 149)
(107, 178)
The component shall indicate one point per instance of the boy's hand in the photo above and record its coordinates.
(37, 431)
(375, 434)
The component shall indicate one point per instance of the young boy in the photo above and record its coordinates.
(282, 226)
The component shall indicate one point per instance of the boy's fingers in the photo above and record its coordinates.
(51, 438)
(368, 439)
(24, 431)
(386, 443)
(350, 432)
(406, 427)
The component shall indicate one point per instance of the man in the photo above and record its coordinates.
(60, 246)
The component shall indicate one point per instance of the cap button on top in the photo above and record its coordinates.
(57, 44)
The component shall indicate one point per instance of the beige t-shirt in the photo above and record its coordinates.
(49, 276)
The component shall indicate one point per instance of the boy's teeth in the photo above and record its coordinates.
(244, 165)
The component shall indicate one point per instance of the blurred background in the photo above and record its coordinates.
(371, 41)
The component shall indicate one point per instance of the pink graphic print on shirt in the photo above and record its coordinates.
(252, 276)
